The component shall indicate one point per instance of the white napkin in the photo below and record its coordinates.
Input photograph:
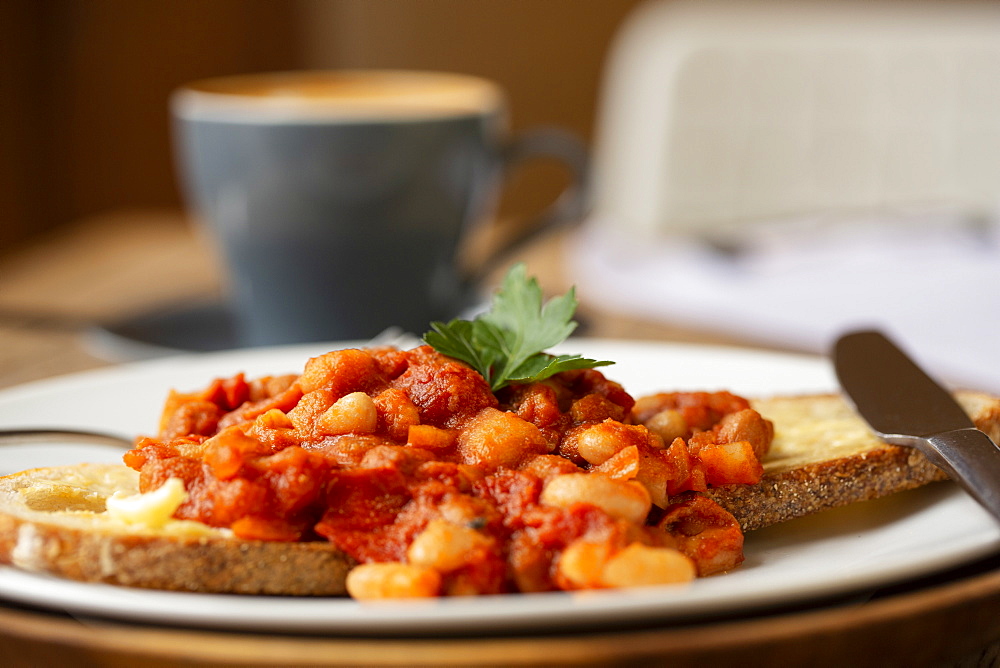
(932, 285)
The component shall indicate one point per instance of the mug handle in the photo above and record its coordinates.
(568, 208)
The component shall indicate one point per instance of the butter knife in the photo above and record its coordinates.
(905, 406)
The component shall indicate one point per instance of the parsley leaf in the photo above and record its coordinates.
(507, 344)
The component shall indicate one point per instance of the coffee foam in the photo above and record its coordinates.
(339, 96)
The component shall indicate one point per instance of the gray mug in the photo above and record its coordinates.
(338, 200)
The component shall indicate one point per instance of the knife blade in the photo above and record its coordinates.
(905, 406)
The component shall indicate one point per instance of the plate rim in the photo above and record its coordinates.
(640, 605)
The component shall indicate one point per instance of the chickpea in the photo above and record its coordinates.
(354, 413)
(494, 438)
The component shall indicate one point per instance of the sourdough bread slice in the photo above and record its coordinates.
(55, 521)
(824, 456)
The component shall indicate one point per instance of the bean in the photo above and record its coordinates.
(624, 499)
(392, 580)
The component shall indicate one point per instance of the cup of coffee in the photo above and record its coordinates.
(338, 200)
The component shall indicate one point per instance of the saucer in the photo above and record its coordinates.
(207, 326)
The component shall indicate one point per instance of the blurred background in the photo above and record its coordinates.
(84, 123)
(766, 173)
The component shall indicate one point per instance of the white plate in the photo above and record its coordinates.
(836, 553)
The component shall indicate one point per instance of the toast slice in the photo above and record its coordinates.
(54, 521)
(824, 456)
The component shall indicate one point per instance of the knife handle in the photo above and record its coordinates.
(971, 459)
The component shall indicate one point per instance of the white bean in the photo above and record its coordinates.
(640, 565)
(624, 499)
(599, 443)
(582, 564)
(392, 580)
(444, 546)
(669, 424)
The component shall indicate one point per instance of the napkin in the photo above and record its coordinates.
(932, 283)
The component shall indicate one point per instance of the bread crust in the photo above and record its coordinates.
(823, 485)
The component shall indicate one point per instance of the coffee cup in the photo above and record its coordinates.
(338, 201)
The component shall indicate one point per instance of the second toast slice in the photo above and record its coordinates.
(824, 456)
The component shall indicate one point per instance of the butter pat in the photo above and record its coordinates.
(153, 509)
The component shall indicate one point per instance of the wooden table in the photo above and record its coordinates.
(108, 268)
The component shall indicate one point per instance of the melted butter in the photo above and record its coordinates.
(812, 431)
(153, 509)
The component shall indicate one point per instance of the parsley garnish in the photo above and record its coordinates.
(507, 344)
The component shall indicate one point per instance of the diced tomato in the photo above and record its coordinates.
(258, 528)
(624, 464)
(730, 463)
(689, 471)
